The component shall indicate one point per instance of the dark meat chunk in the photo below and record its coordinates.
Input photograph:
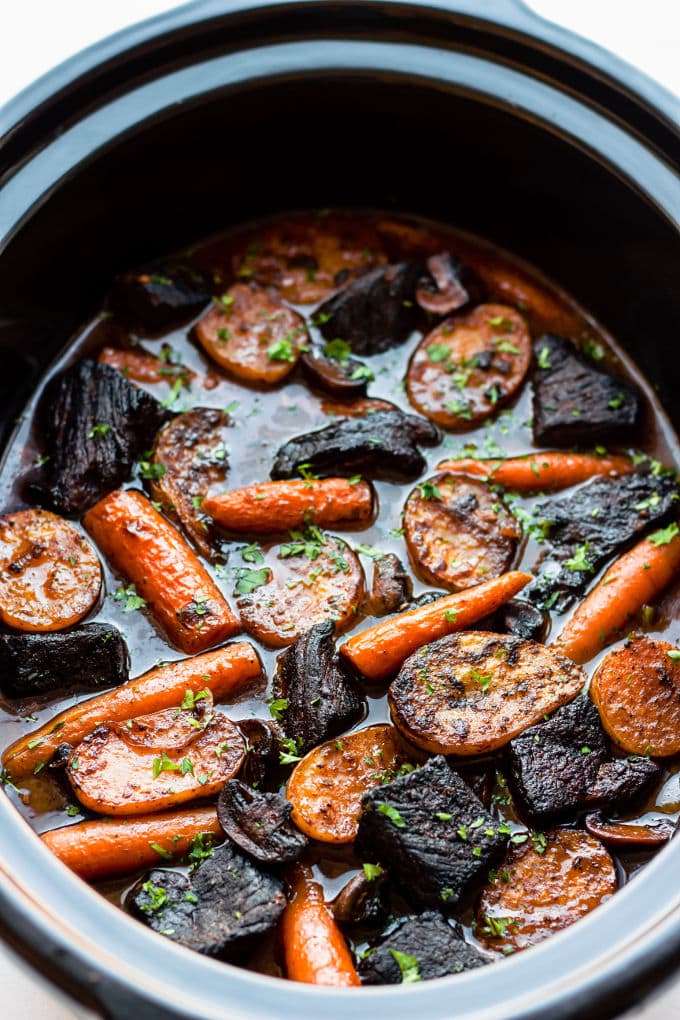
(391, 588)
(375, 312)
(360, 902)
(155, 301)
(574, 402)
(593, 522)
(380, 445)
(96, 424)
(563, 765)
(219, 910)
(333, 370)
(322, 701)
(436, 945)
(447, 286)
(433, 834)
(259, 823)
(60, 758)
(522, 619)
(262, 752)
(91, 657)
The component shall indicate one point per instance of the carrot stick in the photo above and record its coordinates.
(541, 471)
(143, 367)
(116, 846)
(633, 580)
(151, 553)
(314, 948)
(272, 507)
(223, 671)
(379, 651)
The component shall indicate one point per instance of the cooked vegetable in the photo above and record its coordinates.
(380, 445)
(626, 834)
(636, 689)
(86, 658)
(158, 299)
(142, 367)
(224, 672)
(521, 619)
(359, 902)
(259, 823)
(312, 578)
(471, 693)
(326, 787)
(574, 402)
(433, 834)
(50, 576)
(355, 408)
(458, 532)
(166, 573)
(634, 580)
(332, 369)
(262, 753)
(276, 507)
(380, 650)
(219, 910)
(391, 587)
(417, 949)
(315, 950)
(562, 764)
(95, 424)
(447, 286)
(541, 472)
(251, 334)
(190, 457)
(544, 888)
(317, 699)
(470, 366)
(108, 847)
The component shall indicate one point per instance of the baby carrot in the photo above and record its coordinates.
(143, 367)
(116, 846)
(635, 579)
(379, 651)
(165, 571)
(541, 471)
(272, 507)
(314, 947)
(223, 671)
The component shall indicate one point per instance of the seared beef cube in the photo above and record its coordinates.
(96, 424)
(624, 781)
(522, 619)
(380, 445)
(322, 700)
(332, 370)
(259, 823)
(433, 834)
(159, 299)
(375, 312)
(437, 947)
(391, 588)
(447, 285)
(574, 402)
(91, 657)
(219, 910)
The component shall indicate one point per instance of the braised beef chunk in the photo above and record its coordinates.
(262, 753)
(91, 657)
(424, 946)
(360, 903)
(375, 312)
(391, 588)
(259, 823)
(321, 699)
(574, 402)
(159, 299)
(563, 765)
(380, 445)
(218, 910)
(96, 424)
(333, 370)
(447, 285)
(433, 834)
(522, 619)
(591, 523)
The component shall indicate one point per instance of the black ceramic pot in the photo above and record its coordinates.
(475, 113)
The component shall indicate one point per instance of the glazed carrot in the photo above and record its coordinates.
(635, 579)
(165, 571)
(314, 947)
(140, 366)
(273, 507)
(224, 672)
(379, 651)
(104, 848)
(541, 471)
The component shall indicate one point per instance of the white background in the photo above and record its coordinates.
(37, 34)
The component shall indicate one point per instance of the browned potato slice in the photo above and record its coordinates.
(304, 582)
(50, 575)
(192, 450)
(543, 887)
(355, 408)
(636, 689)
(626, 834)
(469, 366)
(251, 334)
(326, 787)
(472, 692)
(458, 532)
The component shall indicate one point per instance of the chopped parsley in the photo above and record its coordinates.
(393, 815)
(98, 430)
(372, 871)
(428, 490)
(248, 580)
(665, 535)
(408, 965)
(129, 597)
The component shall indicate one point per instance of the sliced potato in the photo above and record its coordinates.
(472, 692)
